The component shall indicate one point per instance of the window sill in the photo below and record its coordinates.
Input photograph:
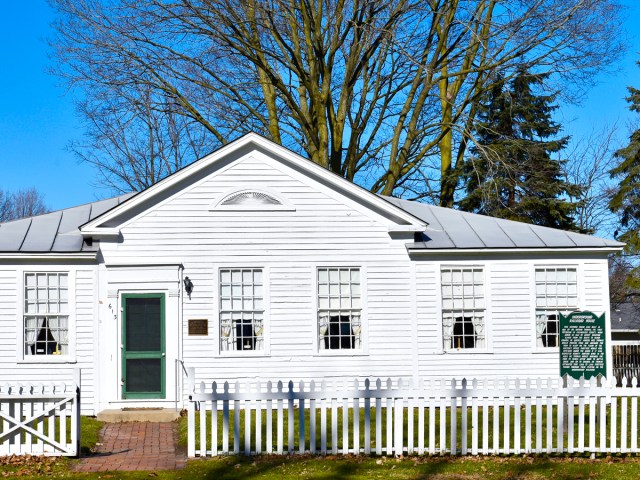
(40, 359)
(543, 350)
(465, 351)
(244, 354)
(341, 353)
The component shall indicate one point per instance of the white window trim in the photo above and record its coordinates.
(364, 317)
(266, 318)
(21, 358)
(532, 282)
(285, 205)
(488, 337)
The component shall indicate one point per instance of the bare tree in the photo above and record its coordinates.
(132, 143)
(23, 203)
(381, 92)
(589, 165)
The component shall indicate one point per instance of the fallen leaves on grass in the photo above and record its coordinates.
(27, 465)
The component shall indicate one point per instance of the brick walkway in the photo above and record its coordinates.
(135, 446)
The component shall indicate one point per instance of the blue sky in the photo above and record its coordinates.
(37, 119)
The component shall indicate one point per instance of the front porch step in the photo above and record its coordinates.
(138, 415)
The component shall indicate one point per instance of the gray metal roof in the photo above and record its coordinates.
(53, 232)
(454, 229)
(447, 229)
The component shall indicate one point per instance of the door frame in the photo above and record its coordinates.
(163, 349)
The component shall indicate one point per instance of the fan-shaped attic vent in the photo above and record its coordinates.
(250, 198)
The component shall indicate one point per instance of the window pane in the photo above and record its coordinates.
(339, 302)
(463, 307)
(143, 324)
(241, 294)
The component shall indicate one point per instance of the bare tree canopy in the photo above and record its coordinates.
(382, 92)
(20, 204)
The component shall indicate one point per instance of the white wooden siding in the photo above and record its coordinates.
(12, 368)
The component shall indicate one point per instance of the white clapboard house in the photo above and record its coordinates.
(255, 263)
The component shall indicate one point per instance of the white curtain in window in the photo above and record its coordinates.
(32, 327)
(258, 330)
(478, 329)
(447, 332)
(225, 332)
(541, 325)
(356, 328)
(323, 327)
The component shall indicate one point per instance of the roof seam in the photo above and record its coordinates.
(55, 235)
(26, 233)
(538, 236)
(473, 229)
(506, 234)
(444, 230)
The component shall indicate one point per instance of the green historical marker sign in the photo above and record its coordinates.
(583, 345)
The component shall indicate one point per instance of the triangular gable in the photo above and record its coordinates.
(108, 224)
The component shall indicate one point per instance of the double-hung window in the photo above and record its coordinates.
(463, 308)
(46, 313)
(339, 309)
(241, 309)
(556, 292)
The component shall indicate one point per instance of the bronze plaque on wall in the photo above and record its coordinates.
(198, 327)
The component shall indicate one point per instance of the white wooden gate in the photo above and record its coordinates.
(40, 419)
(452, 417)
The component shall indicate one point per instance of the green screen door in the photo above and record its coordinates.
(143, 346)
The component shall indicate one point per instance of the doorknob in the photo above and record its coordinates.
(164, 354)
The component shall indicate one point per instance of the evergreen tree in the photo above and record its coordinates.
(626, 201)
(510, 173)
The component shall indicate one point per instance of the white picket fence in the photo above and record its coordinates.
(40, 419)
(452, 417)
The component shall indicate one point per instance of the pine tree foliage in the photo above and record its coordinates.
(626, 200)
(511, 173)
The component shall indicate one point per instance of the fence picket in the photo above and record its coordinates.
(323, 425)
(432, 426)
(474, 420)
(506, 447)
(345, 426)
(356, 420)
(334, 426)
(301, 421)
(269, 438)
(389, 420)
(463, 420)
(549, 424)
(280, 422)
(634, 418)
(538, 415)
(378, 422)
(290, 419)
(312, 419)
(367, 420)
(247, 426)
(421, 419)
(592, 418)
(214, 420)
(623, 418)
(258, 421)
